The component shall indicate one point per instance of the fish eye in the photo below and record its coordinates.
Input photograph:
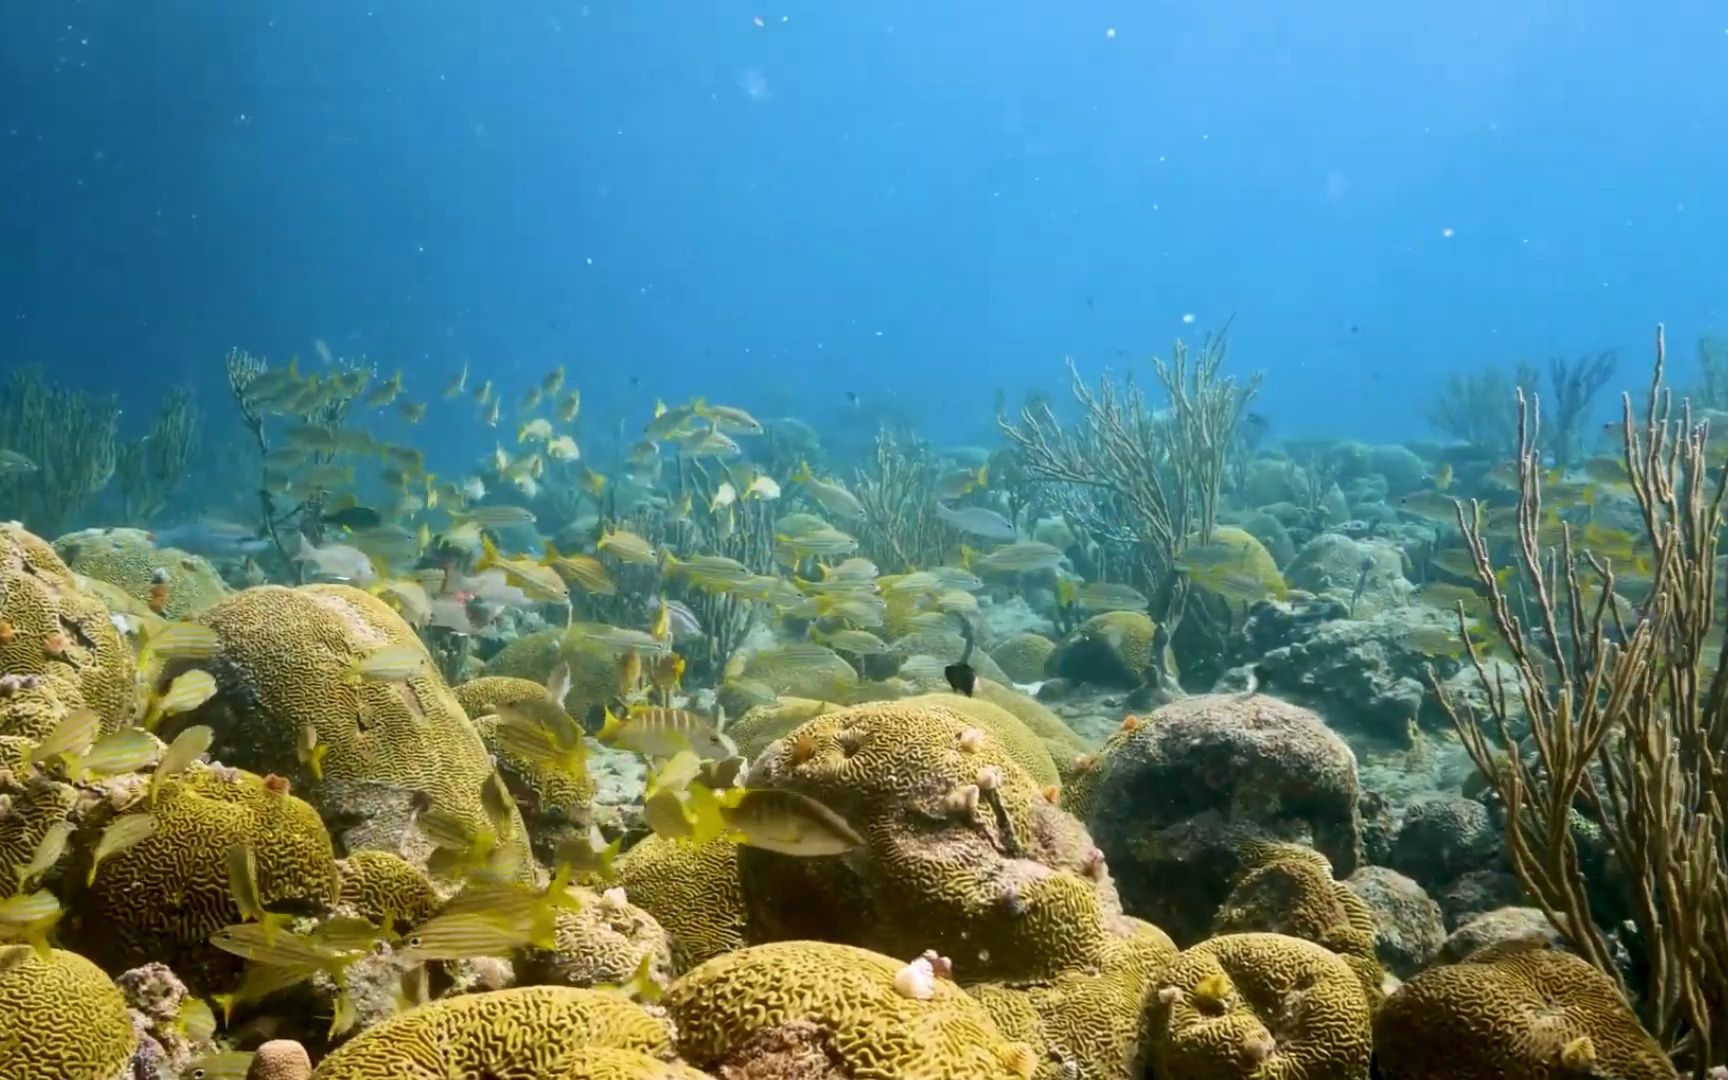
(414, 942)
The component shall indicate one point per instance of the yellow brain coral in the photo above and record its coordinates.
(1518, 1010)
(1264, 1006)
(770, 1009)
(1085, 1023)
(753, 731)
(377, 884)
(1018, 740)
(53, 629)
(1057, 735)
(601, 1064)
(555, 804)
(1022, 657)
(162, 898)
(600, 943)
(128, 559)
(963, 852)
(527, 1032)
(1289, 889)
(60, 1018)
(393, 748)
(29, 806)
(692, 891)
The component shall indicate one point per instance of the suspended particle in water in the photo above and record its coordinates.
(1447, 232)
(1188, 318)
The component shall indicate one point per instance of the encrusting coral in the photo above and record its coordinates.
(964, 852)
(1513, 1010)
(60, 1018)
(1264, 1006)
(163, 897)
(805, 1008)
(691, 890)
(526, 1032)
(287, 661)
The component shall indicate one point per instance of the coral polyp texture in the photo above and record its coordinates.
(60, 1018)
(1513, 1010)
(1264, 1006)
(692, 890)
(803, 1008)
(963, 851)
(531, 1031)
(287, 662)
(163, 897)
(58, 633)
(170, 582)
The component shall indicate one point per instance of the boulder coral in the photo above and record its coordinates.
(691, 890)
(762, 724)
(1172, 796)
(1112, 649)
(381, 884)
(600, 942)
(1085, 1023)
(805, 1008)
(964, 853)
(1517, 1010)
(1263, 1006)
(163, 897)
(286, 662)
(533, 656)
(1019, 741)
(1023, 656)
(555, 804)
(61, 1019)
(1408, 925)
(58, 633)
(129, 560)
(527, 1031)
(30, 805)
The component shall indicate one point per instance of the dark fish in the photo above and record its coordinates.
(962, 678)
(354, 518)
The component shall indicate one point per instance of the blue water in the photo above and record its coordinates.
(919, 203)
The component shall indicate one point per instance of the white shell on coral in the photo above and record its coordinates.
(916, 980)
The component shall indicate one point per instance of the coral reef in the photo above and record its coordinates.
(1408, 926)
(964, 853)
(58, 633)
(1112, 649)
(599, 943)
(528, 1031)
(532, 657)
(60, 1018)
(1513, 1011)
(554, 804)
(691, 890)
(1171, 797)
(391, 744)
(163, 897)
(380, 884)
(129, 560)
(1259, 1005)
(1019, 741)
(1023, 657)
(804, 1008)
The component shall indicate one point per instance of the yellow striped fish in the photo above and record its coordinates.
(124, 751)
(392, 663)
(71, 737)
(121, 834)
(183, 641)
(188, 691)
(659, 732)
(48, 852)
(181, 753)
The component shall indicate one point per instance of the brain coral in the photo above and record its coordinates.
(127, 558)
(1085, 1023)
(1112, 649)
(600, 943)
(1264, 1006)
(526, 1032)
(692, 891)
(1288, 889)
(1172, 796)
(392, 746)
(1061, 739)
(1022, 657)
(777, 1010)
(61, 1019)
(57, 631)
(533, 656)
(555, 804)
(593, 1063)
(1018, 740)
(962, 854)
(163, 897)
(1513, 1011)
(376, 884)
(29, 807)
(764, 723)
